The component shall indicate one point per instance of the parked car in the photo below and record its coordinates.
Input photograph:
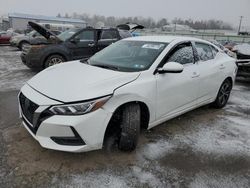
(6, 36)
(229, 45)
(132, 27)
(226, 50)
(32, 37)
(243, 59)
(244, 33)
(135, 83)
(73, 44)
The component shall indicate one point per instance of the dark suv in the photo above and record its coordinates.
(70, 45)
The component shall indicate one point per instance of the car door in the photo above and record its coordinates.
(177, 92)
(83, 44)
(107, 37)
(210, 71)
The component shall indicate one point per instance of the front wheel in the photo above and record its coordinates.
(130, 127)
(53, 60)
(223, 94)
(22, 45)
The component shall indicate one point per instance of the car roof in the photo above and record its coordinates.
(166, 39)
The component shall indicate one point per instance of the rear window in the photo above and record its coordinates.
(125, 34)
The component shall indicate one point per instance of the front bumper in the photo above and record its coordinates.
(90, 128)
(244, 70)
(32, 61)
(13, 43)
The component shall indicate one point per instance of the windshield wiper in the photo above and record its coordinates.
(106, 66)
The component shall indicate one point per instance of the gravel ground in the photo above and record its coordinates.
(203, 148)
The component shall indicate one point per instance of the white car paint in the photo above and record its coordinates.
(83, 80)
(166, 95)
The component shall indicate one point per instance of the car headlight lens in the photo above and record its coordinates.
(79, 108)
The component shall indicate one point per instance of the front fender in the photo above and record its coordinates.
(118, 100)
(55, 49)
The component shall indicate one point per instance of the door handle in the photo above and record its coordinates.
(222, 66)
(195, 74)
(91, 44)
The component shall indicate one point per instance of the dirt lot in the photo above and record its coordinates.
(203, 148)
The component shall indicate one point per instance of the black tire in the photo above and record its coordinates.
(223, 94)
(22, 44)
(130, 127)
(53, 59)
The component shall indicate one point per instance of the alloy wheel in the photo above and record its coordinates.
(224, 93)
(54, 61)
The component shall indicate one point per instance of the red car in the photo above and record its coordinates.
(5, 37)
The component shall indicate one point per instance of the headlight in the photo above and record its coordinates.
(79, 108)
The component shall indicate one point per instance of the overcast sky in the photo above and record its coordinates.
(227, 10)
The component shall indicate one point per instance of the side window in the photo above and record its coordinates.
(205, 52)
(86, 36)
(182, 54)
(109, 35)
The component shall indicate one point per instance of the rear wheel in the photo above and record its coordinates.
(130, 127)
(53, 60)
(223, 94)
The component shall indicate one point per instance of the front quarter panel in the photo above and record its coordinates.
(143, 89)
(56, 49)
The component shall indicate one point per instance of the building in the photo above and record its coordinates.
(19, 21)
(4, 23)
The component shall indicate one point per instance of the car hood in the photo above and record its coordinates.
(76, 81)
(43, 31)
(130, 26)
(242, 49)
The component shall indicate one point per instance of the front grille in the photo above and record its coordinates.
(28, 107)
(28, 112)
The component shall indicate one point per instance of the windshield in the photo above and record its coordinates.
(33, 33)
(67, 34)
(128, 56)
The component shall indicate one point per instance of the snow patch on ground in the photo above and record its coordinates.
(216, 180)
(147, 178)
(93, 179)
(130, 177)
(157, 150)
(230, 136)
(13, 73)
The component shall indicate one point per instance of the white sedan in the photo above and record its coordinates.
(136, 83)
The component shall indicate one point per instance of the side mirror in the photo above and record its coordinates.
(171, 67)
(75, 40)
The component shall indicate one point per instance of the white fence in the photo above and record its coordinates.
(206, 36)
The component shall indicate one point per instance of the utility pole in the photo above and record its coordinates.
(241, 17)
